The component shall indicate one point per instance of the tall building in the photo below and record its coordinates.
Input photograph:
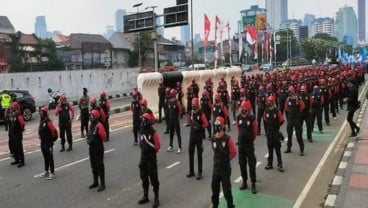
(255, 16)
(277, 12)
(197, 38)
(40, 27)
(293, 25)
(185, 33)
(346, 25)
(308, 19)
(361, 20)
(323, 25)
(119, 20)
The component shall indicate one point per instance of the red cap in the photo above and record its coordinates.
(195, 102)
(95, 114)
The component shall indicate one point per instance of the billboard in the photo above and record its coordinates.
(139, 22)
(260, 21)
(257, 19)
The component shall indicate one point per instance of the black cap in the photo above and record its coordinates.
(85, 89)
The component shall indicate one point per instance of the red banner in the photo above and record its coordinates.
(3, 64)
(207, 29)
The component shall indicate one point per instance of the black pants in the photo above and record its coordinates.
(160, 108)
(260, 112)
(352, 124)
(17, 142)
(273, 143)
(306, 117)
(326, 107)
(167, 120)
(10, 144)
(295, 123)
(317, 113)
(84, 120)
(47, 153)
(247, 157)
(107, 127)
(136, 126)
(207, 113)
(224, 179)
(175, 126)
(96, 155)
(193, 143)
(148, 173)
(66, 127)
(333, 107)
(234, 108)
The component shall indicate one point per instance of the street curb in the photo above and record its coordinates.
(75, 102)
(345, 161)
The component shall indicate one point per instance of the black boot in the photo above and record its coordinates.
(70, 148)
(156, 202)
(144, 199)
(95, 180)
(254, 190)
(243, 186)
(102, 185)
(62, 148)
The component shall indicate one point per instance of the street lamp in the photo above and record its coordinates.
(191, 31)
(139, 36)
(154, 37)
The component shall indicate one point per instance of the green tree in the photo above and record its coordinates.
(324, 36)
(143, 43)
(48, 48)
(286, 37)
(16, 63)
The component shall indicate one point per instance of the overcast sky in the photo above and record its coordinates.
(92, 16)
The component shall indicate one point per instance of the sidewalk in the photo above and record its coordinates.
(350, 184)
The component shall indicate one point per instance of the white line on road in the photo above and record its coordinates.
(258, 164)
(172, 165)
(266, 155)
(73, 163)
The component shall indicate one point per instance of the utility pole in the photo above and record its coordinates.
(191, 31)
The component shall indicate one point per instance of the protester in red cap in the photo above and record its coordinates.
(94, 106)
(145, 109)
(190, 96)
(161, 99)
(209, 88)
(198, 125)
(273, 120)
(195, 88)
(317, 108)
(235, 98)
(219, 108)
(48, 135)
(261, 106)
(149, 142)
(179, 96)
(16, 128)
(306, 113)
(66, 113)
(206, 108)
(174, 124)
(326, 93)
(247, 132)
(293, 108)
(166, 108)
(283, 94)
(225, 98)
(105, 106)
(224, 150)
(96, 137)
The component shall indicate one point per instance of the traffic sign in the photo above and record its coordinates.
(176, 16)
(139, 22)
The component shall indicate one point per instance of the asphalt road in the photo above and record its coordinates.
(23, 188)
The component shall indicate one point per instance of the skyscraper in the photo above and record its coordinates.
(361, 20)
(323, 25)
(293, 25)
(185, 33)
(119, 20)
(308, 19)
(346, 25)
(277, 12)
(40, 27)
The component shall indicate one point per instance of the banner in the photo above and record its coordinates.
(251, 34)
(240, 45)
(207, 29)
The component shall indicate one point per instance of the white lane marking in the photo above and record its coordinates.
(266, 155)
(221, 194)
(73, 163)
(347, 154)
(7, 158)
(172, 165)
(330, 201)
(351, 144)
(337, 180)
(240, 179)
(343, 165)
(312, 179)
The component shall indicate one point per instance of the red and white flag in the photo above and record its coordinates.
(228, 36)
(217, 27)
(207, 29)
(240, 45)
(251, 34)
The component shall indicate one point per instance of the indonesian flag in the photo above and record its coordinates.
(251, 34)
(207, 29)
(240, 45)
(217, 27)
(228, 36)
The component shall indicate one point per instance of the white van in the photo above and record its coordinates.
(197, 67)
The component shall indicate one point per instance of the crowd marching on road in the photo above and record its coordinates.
(265, 99)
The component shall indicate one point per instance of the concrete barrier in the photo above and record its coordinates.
(187, 81)
(148, 84)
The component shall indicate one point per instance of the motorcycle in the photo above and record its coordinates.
(53, 98)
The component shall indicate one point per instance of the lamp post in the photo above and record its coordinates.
(191, 32)
(138, 36)
(154, 37)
